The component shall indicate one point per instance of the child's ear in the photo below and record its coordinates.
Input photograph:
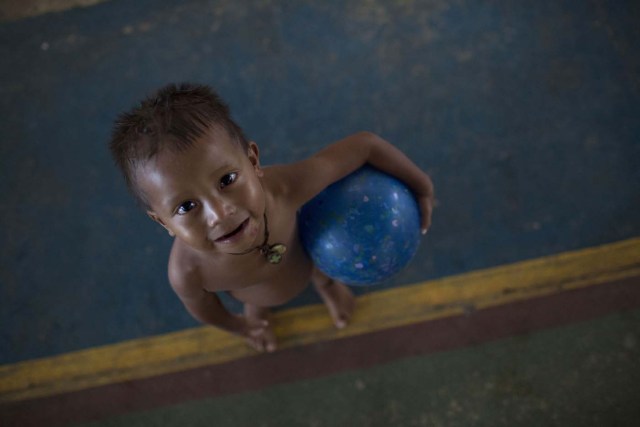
(253, 152)
(157, 219)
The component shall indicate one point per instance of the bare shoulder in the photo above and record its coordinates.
(301, 181)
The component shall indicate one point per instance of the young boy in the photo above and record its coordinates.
(233, 220)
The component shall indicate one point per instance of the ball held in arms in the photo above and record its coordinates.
(362, 229)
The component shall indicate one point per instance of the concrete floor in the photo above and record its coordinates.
(526, 117)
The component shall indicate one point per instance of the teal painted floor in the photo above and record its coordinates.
(526, 117)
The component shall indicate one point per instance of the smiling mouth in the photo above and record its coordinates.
(233, 233)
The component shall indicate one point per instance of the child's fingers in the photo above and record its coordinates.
(259, 329)
(257, 344)
(262, 343)
(426, 207)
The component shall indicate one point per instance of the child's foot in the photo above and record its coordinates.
(336, 296)
(260, 337)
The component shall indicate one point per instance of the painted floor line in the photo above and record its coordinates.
(377, 311)
(13, 11)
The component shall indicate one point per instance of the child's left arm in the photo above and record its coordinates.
(345, 156)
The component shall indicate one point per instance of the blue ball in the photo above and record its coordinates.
(362, 229)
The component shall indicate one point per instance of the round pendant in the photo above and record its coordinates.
(275, 252)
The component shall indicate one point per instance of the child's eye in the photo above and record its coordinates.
(228, 179)
(185, 207)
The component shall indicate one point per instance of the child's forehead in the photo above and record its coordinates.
(215, 139)
(214, 147)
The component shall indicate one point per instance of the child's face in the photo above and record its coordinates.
(209, 196)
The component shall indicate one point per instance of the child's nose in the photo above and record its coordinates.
(217, 211)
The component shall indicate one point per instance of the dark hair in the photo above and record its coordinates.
(171, 119)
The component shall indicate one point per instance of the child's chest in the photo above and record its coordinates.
(251, 278)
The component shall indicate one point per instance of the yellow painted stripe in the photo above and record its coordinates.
(19, 9)
(404, 305)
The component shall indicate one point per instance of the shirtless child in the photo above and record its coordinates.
(197, 175)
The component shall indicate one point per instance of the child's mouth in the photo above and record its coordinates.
(233, 233)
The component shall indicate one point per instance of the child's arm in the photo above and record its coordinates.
(207, 308)
(345, 156)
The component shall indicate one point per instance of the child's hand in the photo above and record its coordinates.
(426, 207)
(259, 334)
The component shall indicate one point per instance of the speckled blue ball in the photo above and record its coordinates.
(362, 229)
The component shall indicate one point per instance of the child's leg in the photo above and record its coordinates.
(336, 296)
(266, 341)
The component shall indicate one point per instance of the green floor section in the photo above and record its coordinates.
(587, 374)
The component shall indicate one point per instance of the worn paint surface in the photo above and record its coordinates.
(525, 116)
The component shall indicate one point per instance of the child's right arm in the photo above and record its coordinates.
(207, 308)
